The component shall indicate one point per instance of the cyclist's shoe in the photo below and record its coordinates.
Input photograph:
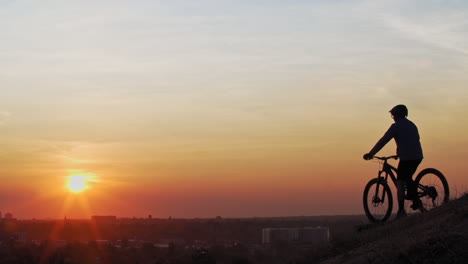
(417, 204)
(411, 191)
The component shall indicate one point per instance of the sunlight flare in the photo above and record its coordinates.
(77, 183)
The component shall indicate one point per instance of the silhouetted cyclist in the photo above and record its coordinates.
(410, 152)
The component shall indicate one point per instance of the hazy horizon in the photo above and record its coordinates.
(230, 108)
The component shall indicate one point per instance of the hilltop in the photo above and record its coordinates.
(437, 236)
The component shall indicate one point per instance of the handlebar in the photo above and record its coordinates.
(395, 157)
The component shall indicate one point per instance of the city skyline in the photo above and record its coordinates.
(230, 108)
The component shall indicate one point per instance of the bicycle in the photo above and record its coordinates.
(432, 189)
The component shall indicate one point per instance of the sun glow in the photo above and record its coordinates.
(77, 183)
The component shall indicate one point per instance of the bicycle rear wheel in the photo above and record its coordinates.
(378, 200)
(433, 189)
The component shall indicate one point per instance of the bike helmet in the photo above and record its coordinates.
(399, 111)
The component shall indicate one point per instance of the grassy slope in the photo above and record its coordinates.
(438, 236)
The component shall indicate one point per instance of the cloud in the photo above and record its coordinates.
(4, 117)
(446, 31)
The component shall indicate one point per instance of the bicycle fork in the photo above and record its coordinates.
(376, 200)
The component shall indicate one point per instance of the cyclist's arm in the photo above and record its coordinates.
(384, 140)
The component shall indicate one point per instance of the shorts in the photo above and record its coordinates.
(406, 169)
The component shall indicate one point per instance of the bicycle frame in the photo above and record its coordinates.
(393, 172)
(388, 170)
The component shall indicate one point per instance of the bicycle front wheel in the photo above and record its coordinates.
(433, 189)
(378, 200)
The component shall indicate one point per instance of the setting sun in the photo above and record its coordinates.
(77, 183)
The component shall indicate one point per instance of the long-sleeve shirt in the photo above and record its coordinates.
(406, 136)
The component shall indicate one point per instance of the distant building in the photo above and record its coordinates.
(20, 237)
(8, 216)
(104, 219)
(305, 235)
(161, 245)
(59, 243)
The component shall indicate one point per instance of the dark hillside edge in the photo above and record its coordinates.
(437, 236)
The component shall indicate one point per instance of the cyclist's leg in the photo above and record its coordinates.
(406, 169)
(401, 199)
(401, 196)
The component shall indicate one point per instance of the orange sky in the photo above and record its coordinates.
(231, 109)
